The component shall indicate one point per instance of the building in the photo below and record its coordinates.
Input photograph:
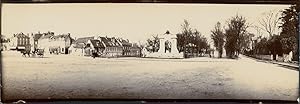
(104, 47)
(94, 45)
(125, 46)
(78, 47)
(44, 42)
(58, 44)
(113, 48)
(129, 49)
(135, 51)
(34, 40)
(19, 41)
(61, 43)
(4, 43)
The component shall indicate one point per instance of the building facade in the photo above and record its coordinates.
(113, 48)
(78, 47)
(52, 44)
(44, 42)
(61, 43)
(19, 41)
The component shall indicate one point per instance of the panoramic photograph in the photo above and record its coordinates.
(149, 51)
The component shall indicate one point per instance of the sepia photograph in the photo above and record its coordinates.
(55, 51)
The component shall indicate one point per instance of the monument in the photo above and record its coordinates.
(167, 47)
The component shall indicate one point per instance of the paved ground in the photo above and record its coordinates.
(71, 77)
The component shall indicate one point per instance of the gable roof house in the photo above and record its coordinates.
(34, 40)
(113, 48)
(19, 41)
(125, 46)
(44, 42)
(94, 45)
(61, 43)
(135, 50)
(78, 46)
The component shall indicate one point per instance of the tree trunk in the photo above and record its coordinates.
(220, 53)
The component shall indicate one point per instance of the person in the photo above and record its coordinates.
(94, 53)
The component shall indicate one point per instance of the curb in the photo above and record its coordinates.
(286, 65)
(278, 63)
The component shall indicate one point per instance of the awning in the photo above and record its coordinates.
(20, 47)
(12, 47)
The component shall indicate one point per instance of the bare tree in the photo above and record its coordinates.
(270, 22)
(258, 30)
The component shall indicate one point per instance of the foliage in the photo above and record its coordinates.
(4, 39)
(235, 35)
(218, 37)
(261, 46)
(290, 29)
(191, 36)
(153, 44)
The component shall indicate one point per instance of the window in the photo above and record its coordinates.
(18, 41)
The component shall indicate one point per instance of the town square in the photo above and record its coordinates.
(119, 51)
(65, 77)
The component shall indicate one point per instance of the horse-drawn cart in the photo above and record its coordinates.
(32, 52)
(40, 52)
(26, 51)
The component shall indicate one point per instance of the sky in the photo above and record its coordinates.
(136, 22)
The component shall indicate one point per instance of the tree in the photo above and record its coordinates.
(153, 43)
(218, 36)
(262, 46)
(190, 36)
(289, 33)
(270, 23)
(234, 34)
(275, 46)
(186, 33)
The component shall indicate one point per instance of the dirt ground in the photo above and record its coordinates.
(75, 77)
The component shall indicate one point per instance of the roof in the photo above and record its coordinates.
(97, 43)
(106, 42)
(135, 45)
(47, 35)
(80, 42)
(20, 35)
(62, 36)
(78, 45)
(109, 42)
(83, 40)
(37, 36)
(125, 42)
(114, 42)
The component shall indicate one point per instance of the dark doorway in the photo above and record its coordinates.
(66, 50)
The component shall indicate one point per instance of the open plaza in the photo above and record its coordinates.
(77, 77)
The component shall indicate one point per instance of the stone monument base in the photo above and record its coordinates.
(165, 55)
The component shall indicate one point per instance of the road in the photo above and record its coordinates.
(75, 77)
